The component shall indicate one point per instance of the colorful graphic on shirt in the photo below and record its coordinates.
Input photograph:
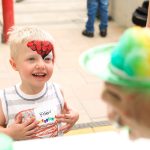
(45, 115)
(47, 127)
(43, 48)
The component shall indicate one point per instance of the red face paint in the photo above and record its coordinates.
(43, 48)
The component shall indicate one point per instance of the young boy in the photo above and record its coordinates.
(35, 107)
(125, 69)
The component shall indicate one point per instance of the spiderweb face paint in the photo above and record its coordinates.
(43, 48)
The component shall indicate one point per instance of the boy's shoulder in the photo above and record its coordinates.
(7, 89)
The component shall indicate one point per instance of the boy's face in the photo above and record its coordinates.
(33, 69)
(128, 107)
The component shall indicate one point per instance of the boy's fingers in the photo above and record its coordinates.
(65, 128)
(33, 125)
(29, 121)
(66, 118)
(31, 132)
(60, 116)
(18, 119)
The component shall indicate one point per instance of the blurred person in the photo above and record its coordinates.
(148, 17)
(125, 69)
(92, 7)
(35, 107)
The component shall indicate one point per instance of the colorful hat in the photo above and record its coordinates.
(125, 63)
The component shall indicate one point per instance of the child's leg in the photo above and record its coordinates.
(92, 6)
(103, 10)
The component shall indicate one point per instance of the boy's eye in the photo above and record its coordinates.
(114, 95)
(31, 58)
(47, 59)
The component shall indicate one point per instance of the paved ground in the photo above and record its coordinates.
(65, 20)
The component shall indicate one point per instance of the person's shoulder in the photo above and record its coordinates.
(9, 89)
(5, 90)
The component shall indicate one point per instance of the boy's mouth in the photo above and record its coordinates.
(39, 74)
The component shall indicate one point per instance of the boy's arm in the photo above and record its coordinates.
(68, 116)
(2, 120)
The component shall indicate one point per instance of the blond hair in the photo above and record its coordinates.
(19, 36)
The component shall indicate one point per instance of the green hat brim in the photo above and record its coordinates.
(97, 61)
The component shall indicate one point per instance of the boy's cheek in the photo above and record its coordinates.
(127, 113)
(131, 97)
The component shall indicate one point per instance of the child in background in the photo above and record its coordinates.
(34, 108)
(125, 69)
(92, 7)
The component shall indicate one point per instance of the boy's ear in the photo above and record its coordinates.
(13, 64)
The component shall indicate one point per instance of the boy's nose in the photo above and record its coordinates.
(40, 64)
(111, 113)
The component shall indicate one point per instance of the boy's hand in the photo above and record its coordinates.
(22, 131)
(69, 118)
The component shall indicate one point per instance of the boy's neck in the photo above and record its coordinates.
(30, 90)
